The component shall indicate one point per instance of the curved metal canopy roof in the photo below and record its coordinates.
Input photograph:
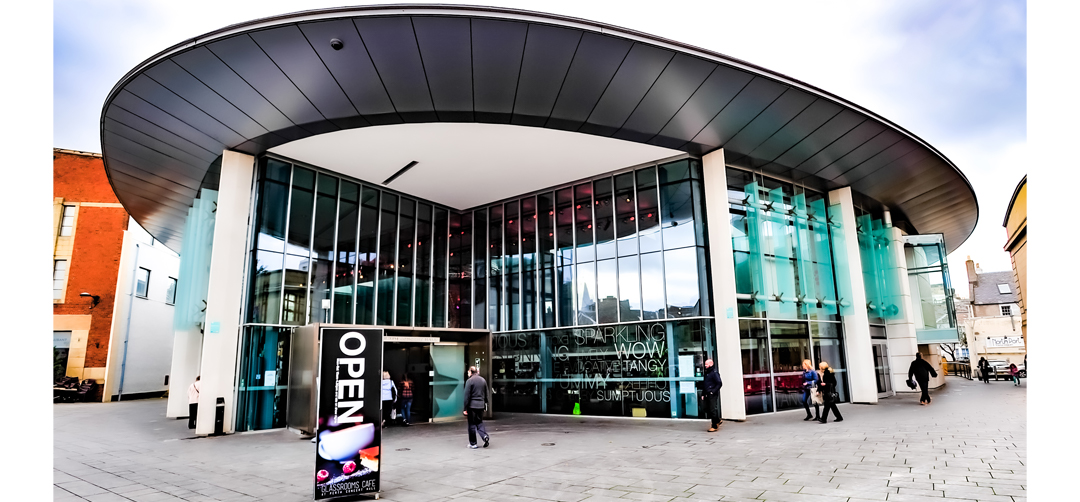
(256, 85)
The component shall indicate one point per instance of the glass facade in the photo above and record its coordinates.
(786, 283)
(328, 249)
(647, 368)
(596, 293)
(934, 313)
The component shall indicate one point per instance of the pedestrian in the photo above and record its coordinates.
(984, 370)
(922, 371)
(829, 393)
(811, 385)
(406, 400)
(475, 403)
(389, 396)
(193, 402)
(710, 393)
(1015, 372)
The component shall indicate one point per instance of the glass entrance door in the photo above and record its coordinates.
(881, 368)
(448, 381)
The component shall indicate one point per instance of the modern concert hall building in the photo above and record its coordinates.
(585, 212)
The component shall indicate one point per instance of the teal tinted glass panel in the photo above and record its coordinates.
(673, 172)
(840, 261)
(448, 380)
(262, 390)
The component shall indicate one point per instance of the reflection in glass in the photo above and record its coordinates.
(294, 304)
(322, 248)
(405, 262)
(496, 305)
(369, 234)
(583, 222)
(626, 214)
(564, 226)
(266, 288)
(423, 265)
(344, 276)
(683, 296)
(260, 403)
(586, 293)
(480, 249)
(607, 292)
(787, 357)
(603, 207)
(677, 214)
(648, 217)
(652, 286)
(387, 250)
(565, 280)
(547, 297)
(831, 350)
(629, 289)
(300, 210)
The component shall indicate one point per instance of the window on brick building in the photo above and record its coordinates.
(142, 284)
(60, 269)
(1006, 310)
(170, 294)
(67, 223)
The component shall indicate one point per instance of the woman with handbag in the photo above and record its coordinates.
(389, 397)
(811, 382)
(829, 392)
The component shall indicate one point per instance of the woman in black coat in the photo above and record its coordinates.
(828, 393)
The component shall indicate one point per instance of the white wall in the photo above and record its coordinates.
(148, 333)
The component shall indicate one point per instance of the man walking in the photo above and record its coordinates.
(193, 402)
(710, 393)
(922, 371)
(475, 402)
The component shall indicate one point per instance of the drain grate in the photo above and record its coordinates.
(402, 449)
(547, 444)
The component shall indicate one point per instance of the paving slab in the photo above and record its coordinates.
(893, 451)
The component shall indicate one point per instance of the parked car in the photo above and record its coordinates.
(1001, 369)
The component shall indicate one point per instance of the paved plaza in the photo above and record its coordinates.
(970, 444)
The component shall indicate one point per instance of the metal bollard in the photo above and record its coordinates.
(219, 417)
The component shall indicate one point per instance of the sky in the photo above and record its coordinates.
(952, 72)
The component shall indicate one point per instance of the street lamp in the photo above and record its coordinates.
(95, 299)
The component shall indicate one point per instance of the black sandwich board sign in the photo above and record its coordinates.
(349, 413)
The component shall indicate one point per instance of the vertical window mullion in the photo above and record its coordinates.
(663, 257)
(285, 254)
(356, 252)
(378, 253)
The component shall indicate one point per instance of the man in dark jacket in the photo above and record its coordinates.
(710, 393)
(475, 402)
(922, 371)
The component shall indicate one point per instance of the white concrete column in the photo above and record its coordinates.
(860, 354)
(903, 343)
(725, 304)
(221, 333)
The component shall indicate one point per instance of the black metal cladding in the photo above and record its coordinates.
(255, 86)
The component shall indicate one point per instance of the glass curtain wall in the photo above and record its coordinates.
(614, 249)
(327, 249)
(643, 369)
(785, 278)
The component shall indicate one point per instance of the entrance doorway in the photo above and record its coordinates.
(412, 361)
(881, 368)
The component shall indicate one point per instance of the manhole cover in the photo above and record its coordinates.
(402, 449)
(547, 444)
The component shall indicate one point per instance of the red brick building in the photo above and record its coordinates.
(88, 230)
